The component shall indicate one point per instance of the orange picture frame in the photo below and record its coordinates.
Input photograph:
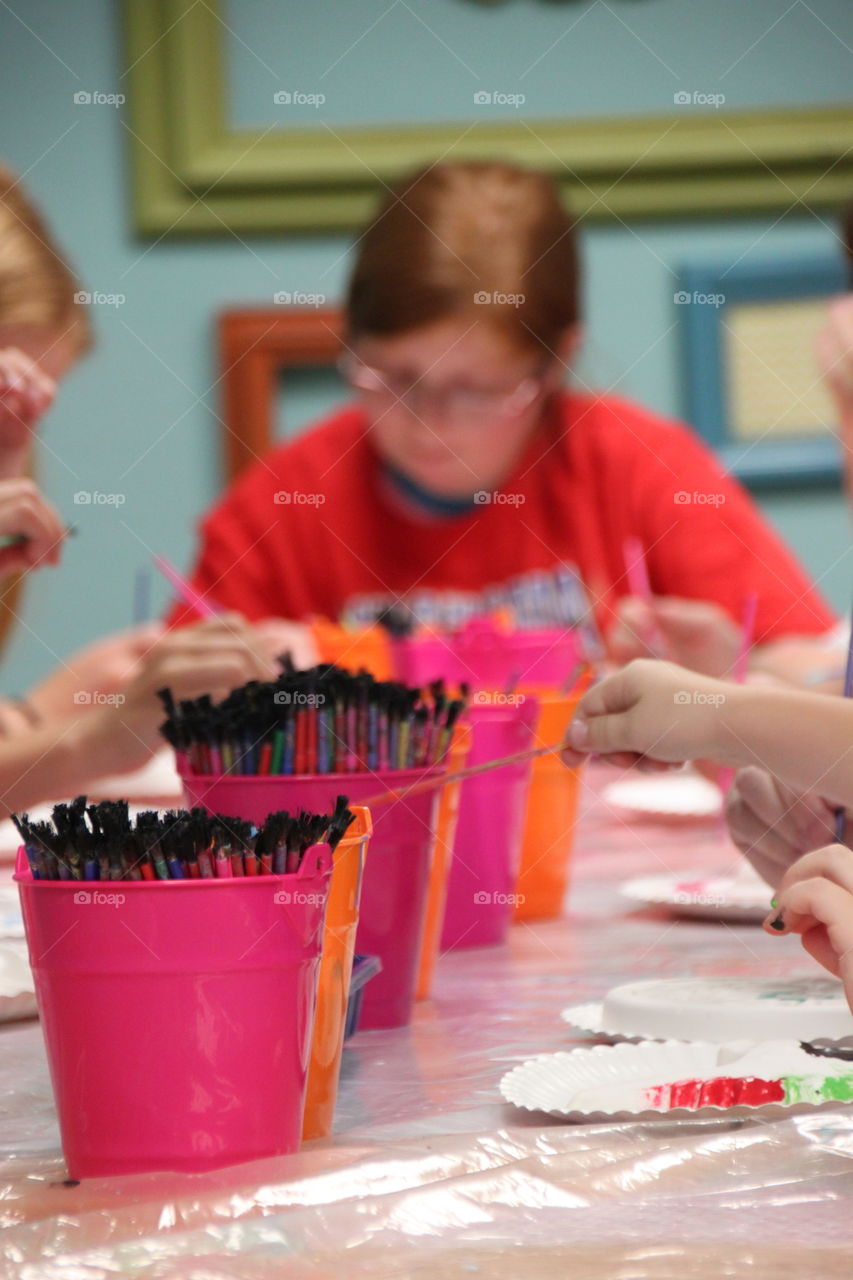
(256, 346)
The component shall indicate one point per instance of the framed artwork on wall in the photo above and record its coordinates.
(198, 170)
(258, 348)
(753, 388)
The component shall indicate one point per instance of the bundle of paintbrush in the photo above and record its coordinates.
(326, 720)
(100, 842)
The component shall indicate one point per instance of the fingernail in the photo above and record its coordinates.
(578, 736)
(774, 902)
(778, 923)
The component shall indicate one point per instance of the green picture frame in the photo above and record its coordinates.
(194, 173)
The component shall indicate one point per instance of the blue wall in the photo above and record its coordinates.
(139, 417)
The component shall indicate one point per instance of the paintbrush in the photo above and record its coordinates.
(637, 573)
(183, 588)
(441, 779)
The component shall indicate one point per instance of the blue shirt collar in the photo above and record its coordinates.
(428, 502)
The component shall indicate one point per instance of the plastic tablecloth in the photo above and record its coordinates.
(430, 1174)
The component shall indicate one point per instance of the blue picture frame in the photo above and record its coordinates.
(770, 463)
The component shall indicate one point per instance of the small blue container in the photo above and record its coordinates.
(363, 969)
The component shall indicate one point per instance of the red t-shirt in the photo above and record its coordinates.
(314, 528)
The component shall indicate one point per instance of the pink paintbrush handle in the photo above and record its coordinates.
(636, 570)
(747, 636)
(183, 588)
(637, 573)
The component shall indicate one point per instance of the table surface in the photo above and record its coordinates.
(429, 1173)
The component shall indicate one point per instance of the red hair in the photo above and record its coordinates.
(463, 238)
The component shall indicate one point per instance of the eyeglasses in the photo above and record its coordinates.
(469, 403)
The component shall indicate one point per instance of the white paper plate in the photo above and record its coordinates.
(609, 1082)
(17, 992)
(738, 899)
(11, 920)
(810, 1006)
(677, 797)
(588, 1017)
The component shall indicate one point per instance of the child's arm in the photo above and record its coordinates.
(701, 636)
(109, 665)
(120, 734)
(660, 712)
(815, 900)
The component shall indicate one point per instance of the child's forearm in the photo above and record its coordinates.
(799, 661)
(805, 739)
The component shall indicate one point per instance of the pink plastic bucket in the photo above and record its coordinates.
(177, 1015)
(487, 849)
(487, 657)
(396, 875)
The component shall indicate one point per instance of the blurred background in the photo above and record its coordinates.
(141, 417)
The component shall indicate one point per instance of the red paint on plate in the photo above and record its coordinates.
(722, 1091)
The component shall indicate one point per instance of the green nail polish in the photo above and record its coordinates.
(774, 902)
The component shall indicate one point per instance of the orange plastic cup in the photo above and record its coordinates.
(549, 824)
(368, 648)
(335, 972)
(445, 834)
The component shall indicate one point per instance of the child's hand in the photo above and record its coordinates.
(772, 825)
(25, 513)
(815, 899)
(695, 633)
(104, 667)
(648, 712)
(25, 394)
(110, 666)
(279, 636)
(213, 657)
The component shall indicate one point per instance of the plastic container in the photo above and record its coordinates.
(549, 823)
(487, 656)
(177, 1015)
(363, 969)
(396, 876)
(336, 963)
(368, 648)
(487, 849)
(447, 816)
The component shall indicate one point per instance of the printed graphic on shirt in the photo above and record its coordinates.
(542, 598)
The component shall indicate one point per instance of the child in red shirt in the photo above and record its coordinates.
(466, 478)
